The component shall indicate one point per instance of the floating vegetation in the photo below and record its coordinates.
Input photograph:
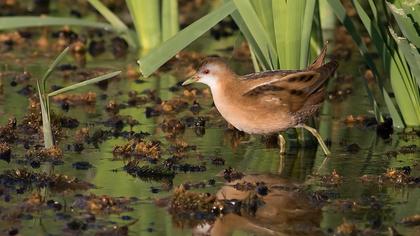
(52, 154)
(173, 126)
(22, 180)
(147, 172)
(231, 174)
(347, 228)
(102, 204)
(413, 220)
(139, 148)
(180, 148)
(400, 176)
(88, 98)
(331, 180)
(185, 201)
(5, 152)
(7, 132)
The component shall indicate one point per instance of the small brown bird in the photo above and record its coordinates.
(270, 101)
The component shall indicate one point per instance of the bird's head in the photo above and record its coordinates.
(211, 72)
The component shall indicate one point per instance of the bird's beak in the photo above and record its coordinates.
(191, 80)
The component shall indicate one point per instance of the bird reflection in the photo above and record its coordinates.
(285, 210)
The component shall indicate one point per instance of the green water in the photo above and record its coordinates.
(251, 156)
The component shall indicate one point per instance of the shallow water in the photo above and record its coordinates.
(252, 156)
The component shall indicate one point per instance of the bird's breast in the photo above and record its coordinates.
(247, 117)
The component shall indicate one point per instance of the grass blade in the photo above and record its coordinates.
(406, 24)
(146, 18)
(46, 125)
(340, 12)
(280, 25)
(306, 32)
(157, 57)
(47, 74)
(257, 31)
(251, 41)
(395, 115)
(170, 24)
(116, 22)
(84, 83)
(408, 104)
(411, 55)
(13, 22)
(109, 15)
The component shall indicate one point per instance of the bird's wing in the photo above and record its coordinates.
(291, 90)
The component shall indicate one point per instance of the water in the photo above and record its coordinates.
(376, 206)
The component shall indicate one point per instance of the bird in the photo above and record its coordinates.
(270, 101)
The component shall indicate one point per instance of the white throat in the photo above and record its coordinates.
(210, 81)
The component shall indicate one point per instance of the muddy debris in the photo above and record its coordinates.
(22, 180)
(139, 148)
(113, 231)
(409, 149)
(352, 148)
(82, 165)
(5, 152)
(132, 72)
(231, 174)
(400, 176)
(331, 180)
(180, 148)
(217, 161)
(68, 122)
(112, 107)
(88, 98)
(102, 204)
(53, 154)
(385, 129)
(173, 126)
(187, 201)
(186, 167)
(7, 132)
(347, 228)
(119, 47)
(96, 47)
(413, 220)
(149, 172)
(134, 99)
(172, 106)
(195, 108)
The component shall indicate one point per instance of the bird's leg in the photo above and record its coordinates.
(318, 137)
(282, 144)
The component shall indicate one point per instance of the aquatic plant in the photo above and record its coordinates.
(155, 21)
(44, 95)
(276, 33)
(399, 55)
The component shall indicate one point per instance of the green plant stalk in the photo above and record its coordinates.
(146, 18)
(341, 15)
(402, 83)
(116, 22)
(84, 83)
(408, 105)
(46, 124)
(13, 22)
(170, 22)
(257, 32)
(406, 23)
(158, 56)
(44, 97)
(47, 74)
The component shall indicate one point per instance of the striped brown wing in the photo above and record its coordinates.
(292, 90)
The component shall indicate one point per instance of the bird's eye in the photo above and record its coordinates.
(206, 71)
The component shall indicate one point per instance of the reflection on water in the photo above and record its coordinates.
(373, 206)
